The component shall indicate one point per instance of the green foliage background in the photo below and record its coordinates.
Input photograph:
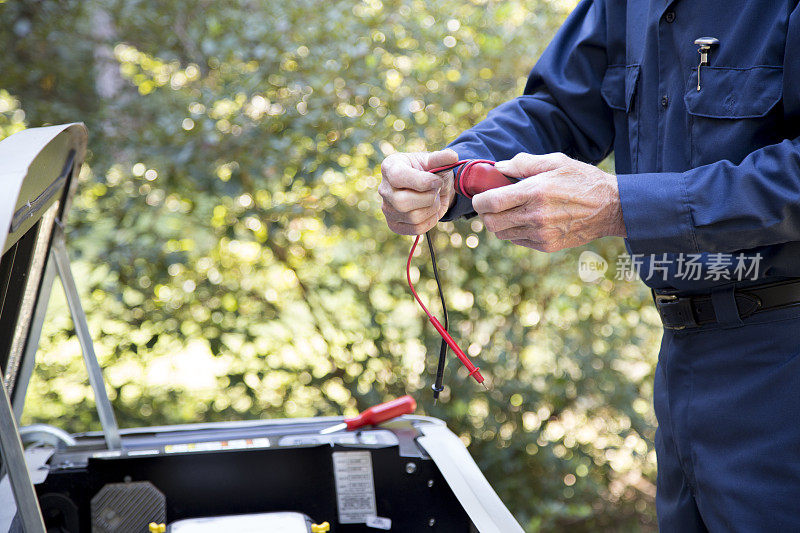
(234, 262)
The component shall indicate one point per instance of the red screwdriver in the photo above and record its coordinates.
(405, 405)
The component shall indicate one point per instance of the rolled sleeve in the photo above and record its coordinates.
(720, 207)
(656, 213)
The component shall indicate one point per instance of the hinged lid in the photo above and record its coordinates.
(38, 172)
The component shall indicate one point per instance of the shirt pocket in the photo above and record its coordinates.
(619, 87)
(734, 113)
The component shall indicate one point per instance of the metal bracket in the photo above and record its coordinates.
(58, 253)
(28, 512)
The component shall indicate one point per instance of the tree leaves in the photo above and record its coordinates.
(235, 264)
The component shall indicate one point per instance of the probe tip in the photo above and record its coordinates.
(484, 385)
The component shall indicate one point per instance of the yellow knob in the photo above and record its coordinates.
(320, 528)
(157, 528)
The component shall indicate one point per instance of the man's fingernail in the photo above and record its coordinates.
(437, 184)
(500, 165)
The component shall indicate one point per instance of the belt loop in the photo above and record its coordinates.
(725, 307)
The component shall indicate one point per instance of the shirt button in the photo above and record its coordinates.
(670, 17)
(664, 101)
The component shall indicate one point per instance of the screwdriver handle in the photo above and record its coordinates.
(405, 405)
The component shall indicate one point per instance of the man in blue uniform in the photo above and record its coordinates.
(708, 168)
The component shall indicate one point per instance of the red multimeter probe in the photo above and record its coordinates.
(471, 177)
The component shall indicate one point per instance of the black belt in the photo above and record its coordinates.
(680, 312)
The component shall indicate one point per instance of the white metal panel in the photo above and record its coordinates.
(473, 491)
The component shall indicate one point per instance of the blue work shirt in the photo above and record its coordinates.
(714, 171)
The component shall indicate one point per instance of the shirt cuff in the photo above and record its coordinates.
(462, 207)
(656, 213)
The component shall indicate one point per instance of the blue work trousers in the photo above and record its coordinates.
(727, 399)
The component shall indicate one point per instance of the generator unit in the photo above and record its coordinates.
(411, 474)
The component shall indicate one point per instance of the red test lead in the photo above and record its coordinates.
(473, 370)
(475, 176)
(405, 405)
(470, 177)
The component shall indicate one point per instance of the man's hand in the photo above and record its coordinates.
(560, 203)
(414, 200)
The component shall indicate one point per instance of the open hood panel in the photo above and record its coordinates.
(38, 173)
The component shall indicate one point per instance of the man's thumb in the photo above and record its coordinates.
(526, 165)
(441, 158)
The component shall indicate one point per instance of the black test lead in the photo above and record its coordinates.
(438, 384)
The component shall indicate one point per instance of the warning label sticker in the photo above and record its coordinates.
(355, 488)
